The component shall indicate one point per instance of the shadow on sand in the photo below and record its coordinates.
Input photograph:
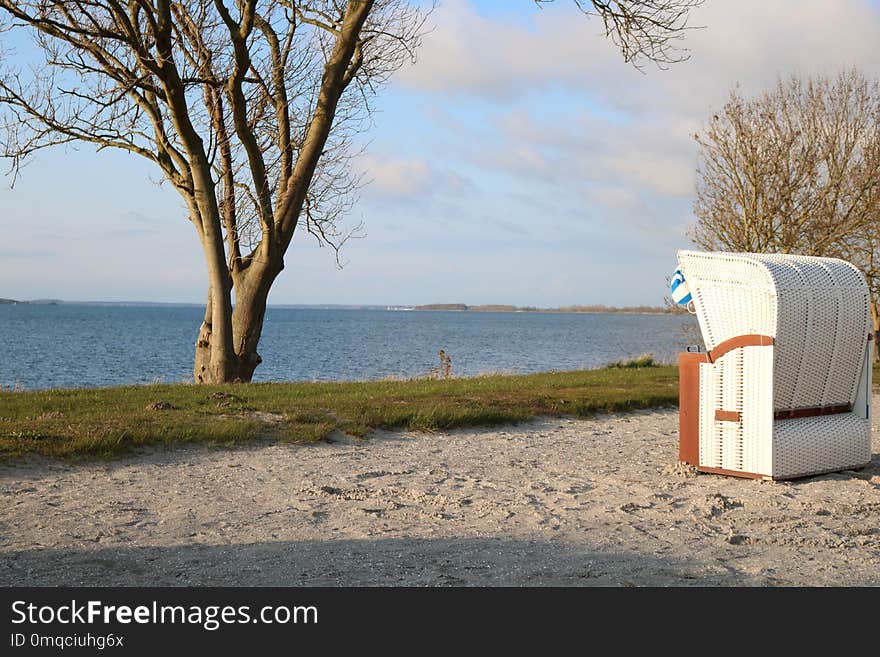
(367, 562)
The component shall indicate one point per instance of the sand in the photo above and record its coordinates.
(551, 502)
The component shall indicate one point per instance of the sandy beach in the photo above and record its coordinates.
(551, 502)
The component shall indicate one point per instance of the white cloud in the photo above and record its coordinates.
(389, 176)
(614, 197)
(634, 131)
(752, 41)
(397, 177)
(470, 54)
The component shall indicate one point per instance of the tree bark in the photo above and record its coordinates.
(215, 359)
(203, 346)
(251, 288)
(251, 293)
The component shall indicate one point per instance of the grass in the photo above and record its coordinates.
(105, 422)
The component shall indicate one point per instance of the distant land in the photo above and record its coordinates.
(185, 304)
(35, 302)
(496, 308)
(453, 307)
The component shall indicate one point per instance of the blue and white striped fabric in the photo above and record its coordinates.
(681, 293)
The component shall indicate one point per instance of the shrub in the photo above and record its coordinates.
(645, 360)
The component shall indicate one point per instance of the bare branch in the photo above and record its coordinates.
(643, 29)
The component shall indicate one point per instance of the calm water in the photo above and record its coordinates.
(80, 345)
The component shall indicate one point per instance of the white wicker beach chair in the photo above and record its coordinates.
(785, 388)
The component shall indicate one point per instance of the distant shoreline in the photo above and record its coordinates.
(443, 307)
(495, 308)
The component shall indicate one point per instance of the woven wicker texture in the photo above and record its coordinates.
(817, 312)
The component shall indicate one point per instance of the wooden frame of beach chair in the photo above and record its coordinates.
(784, 389)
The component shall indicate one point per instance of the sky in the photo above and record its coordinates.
(519, 161)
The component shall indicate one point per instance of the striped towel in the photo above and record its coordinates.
(681, 294)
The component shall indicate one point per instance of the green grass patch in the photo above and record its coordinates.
(105, 422)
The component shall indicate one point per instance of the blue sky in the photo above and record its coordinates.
(519, 161)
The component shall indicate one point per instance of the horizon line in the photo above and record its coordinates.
(49, 301)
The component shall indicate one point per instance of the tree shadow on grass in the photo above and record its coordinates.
(367, 562)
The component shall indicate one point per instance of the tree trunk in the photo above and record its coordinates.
(203, 347)
(215, 359)
(251, 293)
(215, 362)
(251, 288)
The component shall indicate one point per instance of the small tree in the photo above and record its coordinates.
(248, 109)
(795, 170)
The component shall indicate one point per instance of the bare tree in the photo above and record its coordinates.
(862, 248)
(249, 110)
(796, 169)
